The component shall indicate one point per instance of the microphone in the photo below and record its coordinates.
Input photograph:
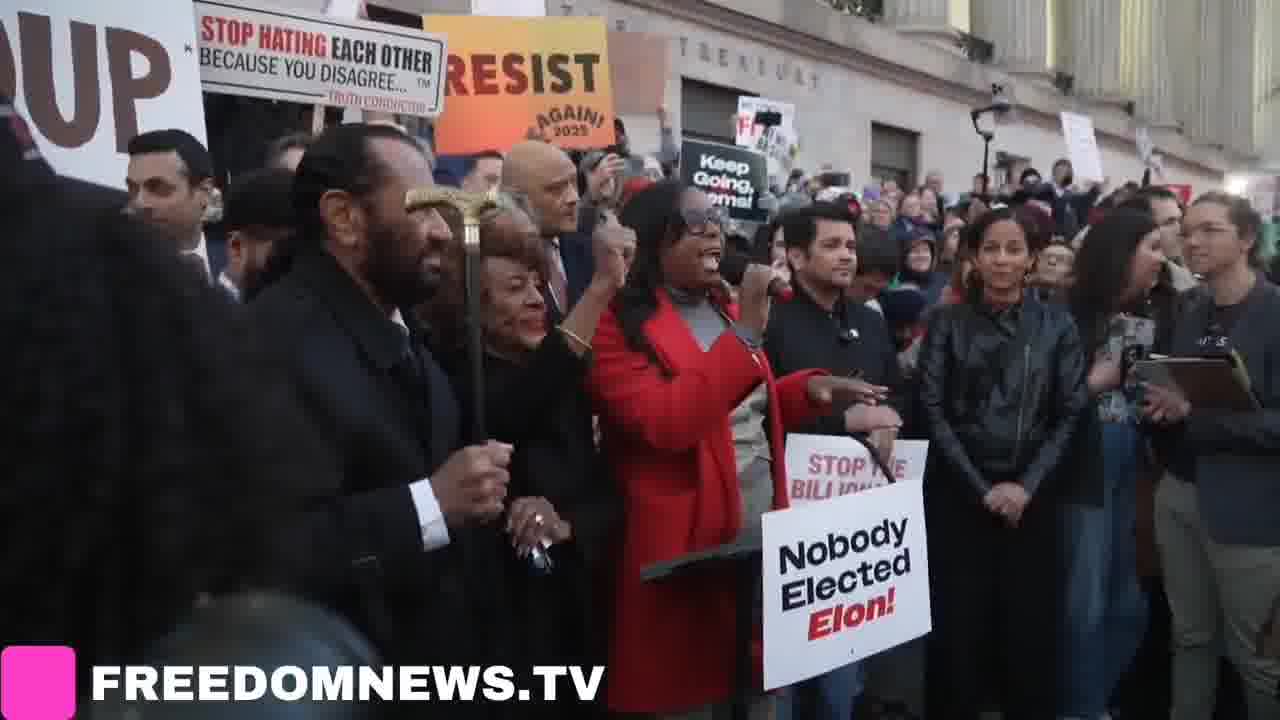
(733, 267)
(539, 561)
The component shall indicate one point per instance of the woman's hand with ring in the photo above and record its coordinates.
(532, 520)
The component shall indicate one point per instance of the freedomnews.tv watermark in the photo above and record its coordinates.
(39, 682)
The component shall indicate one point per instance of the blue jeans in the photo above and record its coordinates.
(831, 696)
(1106, 608)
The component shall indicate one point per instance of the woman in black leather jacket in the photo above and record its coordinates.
(1002, 387)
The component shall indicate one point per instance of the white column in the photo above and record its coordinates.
(1182, 20)
(1268, 129)
(1096, 30)
(1205, 124)
(1239, 85)
(1019, 29)
(1153, 76)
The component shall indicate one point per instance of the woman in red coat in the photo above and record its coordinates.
(692, 420)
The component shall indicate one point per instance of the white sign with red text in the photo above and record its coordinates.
(843, 579)
(304, 57)
(89, 75)
(820, 467)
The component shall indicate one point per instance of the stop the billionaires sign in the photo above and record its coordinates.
(844, 578)
(820, 467)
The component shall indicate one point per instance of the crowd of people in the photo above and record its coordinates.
(270, 390)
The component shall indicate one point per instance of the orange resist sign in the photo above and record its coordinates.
(511, 78)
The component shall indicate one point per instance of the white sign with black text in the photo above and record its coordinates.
(1082, 146)
(316, 59)
(843, 579)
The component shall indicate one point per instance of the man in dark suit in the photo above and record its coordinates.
(545, 175)
(170, 183)
(376, 394)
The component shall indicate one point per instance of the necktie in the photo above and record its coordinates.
(409, 363)
(557, 280)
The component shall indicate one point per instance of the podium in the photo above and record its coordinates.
(742, 556)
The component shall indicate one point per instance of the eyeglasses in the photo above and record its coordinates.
(699, 222)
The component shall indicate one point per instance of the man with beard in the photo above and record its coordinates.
(379, 398)
(141, 421)
(259, 221)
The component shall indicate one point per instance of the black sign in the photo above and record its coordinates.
(733, 177)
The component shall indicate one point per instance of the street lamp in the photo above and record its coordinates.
(984, 123)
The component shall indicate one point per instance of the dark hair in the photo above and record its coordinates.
(166, 462)
(499, 238)
(1240, 213)
(260, 198)
(972, 234)
(340, 159)
(1102, 270)
(878, 251)
(1141, 201)
(456, 168)
(655, 217)
(1060, 162)
(800, 226)
(282, 145)
(194, 155)
(1041, 223)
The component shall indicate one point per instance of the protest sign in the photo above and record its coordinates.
(1082, 146)
(509, 8)
(732, 177)
(1146, 147)
(638, 62)
(820, 467)
(90, 75)
(777, 142)
(843, 579)
(1183, 191)
(308, 58)
(509, 78)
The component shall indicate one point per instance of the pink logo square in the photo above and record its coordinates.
(38, 682)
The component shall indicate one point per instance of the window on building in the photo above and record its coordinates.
(1009, 169)
(894, 154)
(707, 111)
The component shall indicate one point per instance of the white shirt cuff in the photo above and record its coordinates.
(435, 533)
